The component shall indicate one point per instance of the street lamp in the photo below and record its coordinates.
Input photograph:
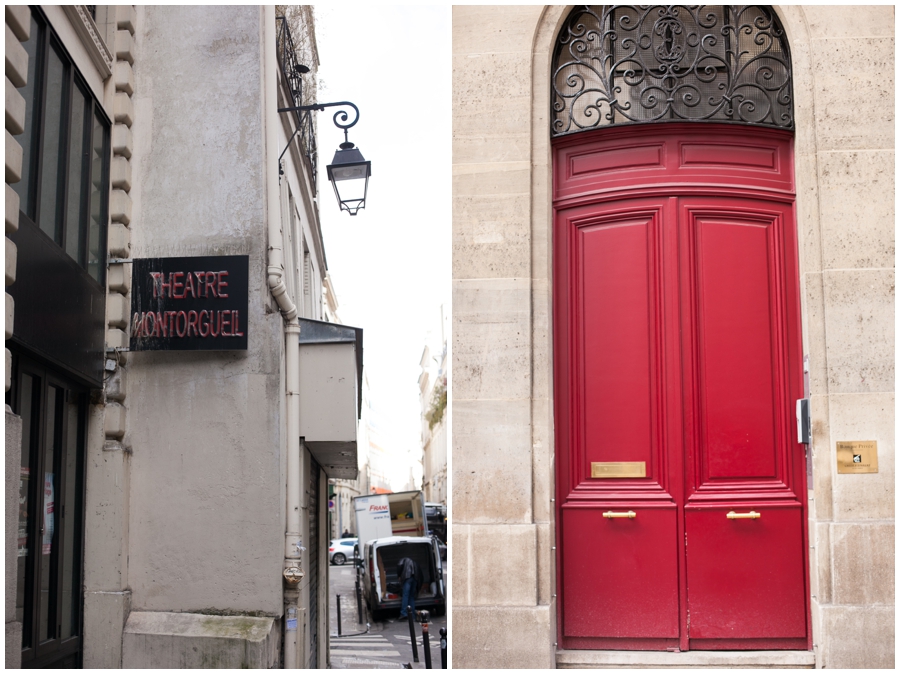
(352, 171)
(349, 167)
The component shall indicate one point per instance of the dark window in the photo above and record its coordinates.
(50, 533)
(65, 167)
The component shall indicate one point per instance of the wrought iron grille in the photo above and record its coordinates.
(624, 64)
(292, 71)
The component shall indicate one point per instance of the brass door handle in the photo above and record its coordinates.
(752, 515)
(630, 514)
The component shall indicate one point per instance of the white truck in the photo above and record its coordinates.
(390, 527)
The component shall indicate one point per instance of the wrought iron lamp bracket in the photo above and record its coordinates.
(340, 121)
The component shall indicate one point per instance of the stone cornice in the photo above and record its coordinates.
(90, 36)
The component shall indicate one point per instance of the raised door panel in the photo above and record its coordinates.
(672, 156)
(618, 374)
(620, 575)
(745, 578)
(734, 317)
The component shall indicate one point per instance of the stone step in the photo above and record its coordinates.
(657, 659)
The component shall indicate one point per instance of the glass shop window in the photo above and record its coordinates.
(49, 576)
(64, 190)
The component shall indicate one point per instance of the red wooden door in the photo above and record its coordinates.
(681, 521)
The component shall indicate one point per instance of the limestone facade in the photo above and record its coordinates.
(503, 426)
(18, 29)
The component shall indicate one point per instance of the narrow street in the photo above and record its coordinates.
(386, 645)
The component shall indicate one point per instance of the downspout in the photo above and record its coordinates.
(292, 538)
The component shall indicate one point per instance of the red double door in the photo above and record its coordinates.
(681, 516)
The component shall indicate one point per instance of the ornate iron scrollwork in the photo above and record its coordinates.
(622, 64)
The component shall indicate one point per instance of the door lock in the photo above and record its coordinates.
(804, 424)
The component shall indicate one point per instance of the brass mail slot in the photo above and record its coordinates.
(858, 456)
(752, 515)
(619, 469)
(613, 515)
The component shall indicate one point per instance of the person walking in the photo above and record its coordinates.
(411, 579)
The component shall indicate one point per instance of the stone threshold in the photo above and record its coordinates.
(659, 659)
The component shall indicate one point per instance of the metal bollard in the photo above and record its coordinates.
(443, 648)
(423, 617)
(339, 614)
(359, 611)
(412, 633)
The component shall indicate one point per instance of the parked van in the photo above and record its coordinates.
(391, 527)
(380, 582)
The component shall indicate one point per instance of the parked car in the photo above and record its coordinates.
(379, 573)
(340, 550)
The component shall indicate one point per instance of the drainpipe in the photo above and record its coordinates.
(292, 539)
(292, 536)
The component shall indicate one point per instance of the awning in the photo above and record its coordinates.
(331, 366)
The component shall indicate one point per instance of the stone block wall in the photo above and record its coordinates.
(106, 533)
(502, 461)
(18, 28)
(844, 60)
(107, 596)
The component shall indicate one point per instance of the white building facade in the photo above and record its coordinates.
(183, 519)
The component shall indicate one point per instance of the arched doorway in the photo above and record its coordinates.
(681, 517)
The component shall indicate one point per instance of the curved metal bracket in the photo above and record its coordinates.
(320, 107)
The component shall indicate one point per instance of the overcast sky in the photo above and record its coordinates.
(390, 264)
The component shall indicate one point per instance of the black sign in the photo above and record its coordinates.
(190, 303)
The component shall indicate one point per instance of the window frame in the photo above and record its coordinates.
(55, 649)
(74, 87)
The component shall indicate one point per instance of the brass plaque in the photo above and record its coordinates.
(619, 469)
(858, 456)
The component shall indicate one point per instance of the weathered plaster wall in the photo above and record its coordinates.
(502, 350)
(207, 501)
